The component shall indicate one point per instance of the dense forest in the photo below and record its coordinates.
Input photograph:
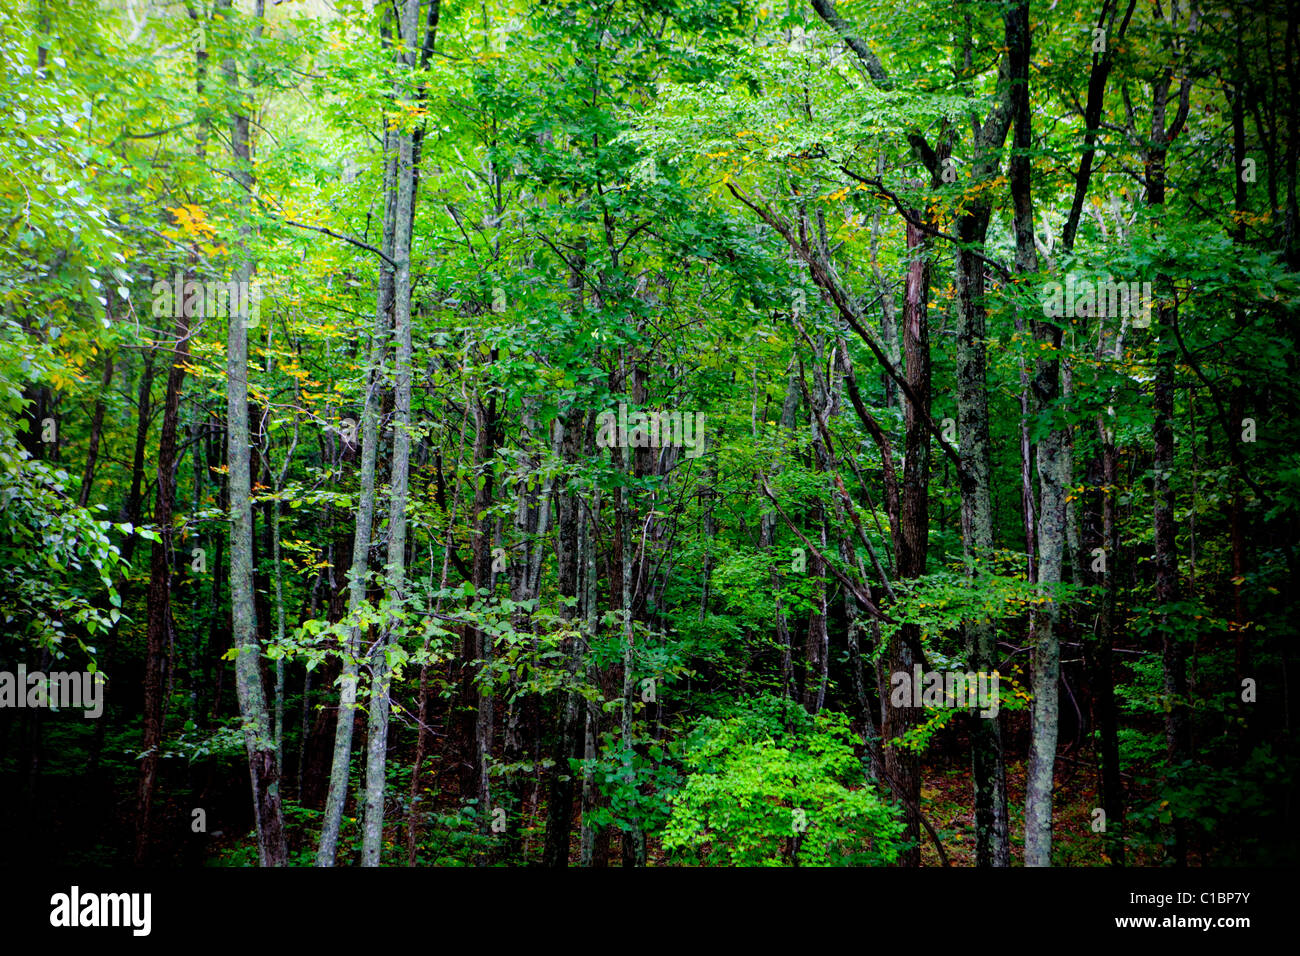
(649, 432)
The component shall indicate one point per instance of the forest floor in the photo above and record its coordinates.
(946, 799)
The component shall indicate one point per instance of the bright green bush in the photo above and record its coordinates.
(776, 787)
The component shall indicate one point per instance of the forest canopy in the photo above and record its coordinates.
(649, 432)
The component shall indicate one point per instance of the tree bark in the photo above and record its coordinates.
(1167, 590)
(258, 740)
(377, 736)
(912, 533)
(158, 630)
(96, 427)
(1052, 459)
(559, 821)
(988, 769)
(336, 797)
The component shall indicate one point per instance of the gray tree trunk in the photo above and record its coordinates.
(633, 838)
(337, 795)
(258, 738)
(572, 530)
(377, 736)
(589, 838)
(988, 769)
(1053, 462)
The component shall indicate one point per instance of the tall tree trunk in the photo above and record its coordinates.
(559, 821)
(479, 643)
(258, 740)
(1053, 460)
(911, 544)
(1100, 468)
(988, 770)
(158, 630)
(377, 737)
(1173, 648)
(341, 761)
(633, 837)
(159, 627)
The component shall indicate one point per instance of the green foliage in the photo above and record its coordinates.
(56, 561)
(939, 602)
(602, 193)
(635, 783)
(773, 786)
(1234, 811)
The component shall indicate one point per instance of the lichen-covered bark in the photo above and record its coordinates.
(988, 771)
(395, 579)
(258, 737)
(1053, 465)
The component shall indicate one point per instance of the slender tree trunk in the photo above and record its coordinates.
(817, 644)
(594, 843)
(377, 737)
(570, 557)
(1097, 650)
(278, 581)
(1100, 529)
(633, 837)
(134, 505)
(559, 823)
(278, 728)
(911, 538)
(1053, 460)
(96, 427)
(1167, 590)
(258, 740)
(767, 541)
(340, 764)
(422, 737)
(479, 642)
(988, 770)
(158, 629)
